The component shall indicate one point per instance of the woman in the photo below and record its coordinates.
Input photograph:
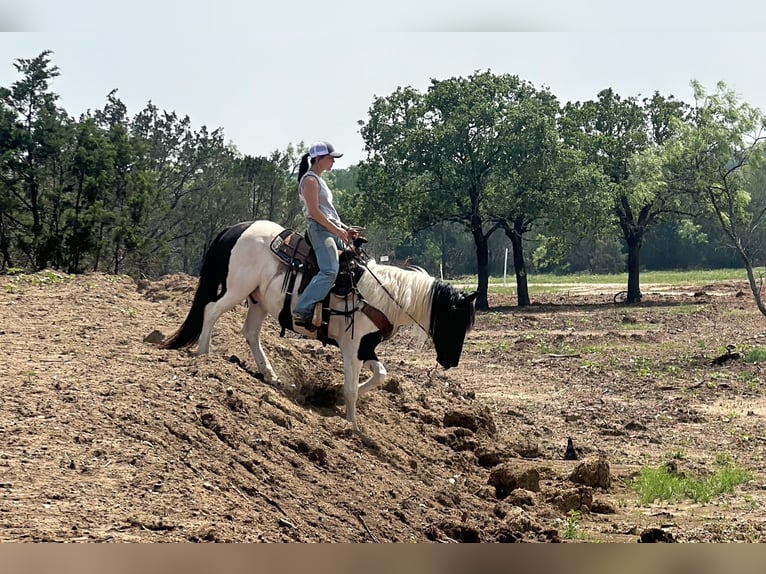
(326, 231)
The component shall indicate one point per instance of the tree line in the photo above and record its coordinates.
(142, 195)
(453, 175)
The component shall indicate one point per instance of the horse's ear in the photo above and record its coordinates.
(470, 297)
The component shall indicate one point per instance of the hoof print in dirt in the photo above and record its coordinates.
(509, 476)
(651, 535)
(421, 415)
(234, 403)
(593, 471)
(210, 422)
(317, 455)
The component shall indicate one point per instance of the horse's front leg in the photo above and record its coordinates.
(252, 332)
(378, 377)
(351, 368)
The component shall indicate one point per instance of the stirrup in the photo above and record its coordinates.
(303, 322)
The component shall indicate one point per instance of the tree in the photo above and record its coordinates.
(720, 158)
(90, 172)
(175, 171)
(551, 188)
(115, 231)
(622, 136)
(36, 133)
(445, 155)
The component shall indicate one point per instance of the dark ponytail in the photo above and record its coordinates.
(304, 167)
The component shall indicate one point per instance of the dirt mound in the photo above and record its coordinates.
(105, 437)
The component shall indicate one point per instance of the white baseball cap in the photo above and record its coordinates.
(318, 149)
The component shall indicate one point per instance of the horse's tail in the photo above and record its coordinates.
(211, 286)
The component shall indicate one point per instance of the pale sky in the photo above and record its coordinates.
(273, 75)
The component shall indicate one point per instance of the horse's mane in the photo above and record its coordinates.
(407, 295)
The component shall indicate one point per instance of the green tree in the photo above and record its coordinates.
(114, 231)
(36, 133)
(720, 158)
(267, 183)
(91, 171)
(622, 137)
(447, 154)
(175, 167)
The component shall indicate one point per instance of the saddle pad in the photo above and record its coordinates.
(291, 247)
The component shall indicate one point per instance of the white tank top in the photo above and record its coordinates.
(325, 199)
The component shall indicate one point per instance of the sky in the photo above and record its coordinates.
(296, 71)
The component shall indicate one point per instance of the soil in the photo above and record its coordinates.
(105, 437)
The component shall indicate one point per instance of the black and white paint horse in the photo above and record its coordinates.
(240, 265)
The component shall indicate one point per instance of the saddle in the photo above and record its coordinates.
(297, 253)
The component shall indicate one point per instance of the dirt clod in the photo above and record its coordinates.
(594, 471)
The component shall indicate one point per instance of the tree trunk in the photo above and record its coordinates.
(520, 267)
(40, 254)
(482, 263)
(634, 260)
(442, 238)
(4, 247)
(99, 247)
(754, 288)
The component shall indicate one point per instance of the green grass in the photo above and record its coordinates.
(636, 326)
(658, 484)
(484, 346)
(684, 309)
(47, 277)
(547, 282)
(664, 277)
(757, 355)
(572, 527)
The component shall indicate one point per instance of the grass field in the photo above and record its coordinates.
(551, 283)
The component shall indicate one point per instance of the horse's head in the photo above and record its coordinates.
(452, 316)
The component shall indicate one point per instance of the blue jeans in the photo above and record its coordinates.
(326, 245)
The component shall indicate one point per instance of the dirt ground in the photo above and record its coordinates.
(105, 437)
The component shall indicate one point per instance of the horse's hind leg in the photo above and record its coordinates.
(378, 377)
(212, 313)
(252, 332)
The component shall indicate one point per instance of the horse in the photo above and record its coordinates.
(239, 265)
